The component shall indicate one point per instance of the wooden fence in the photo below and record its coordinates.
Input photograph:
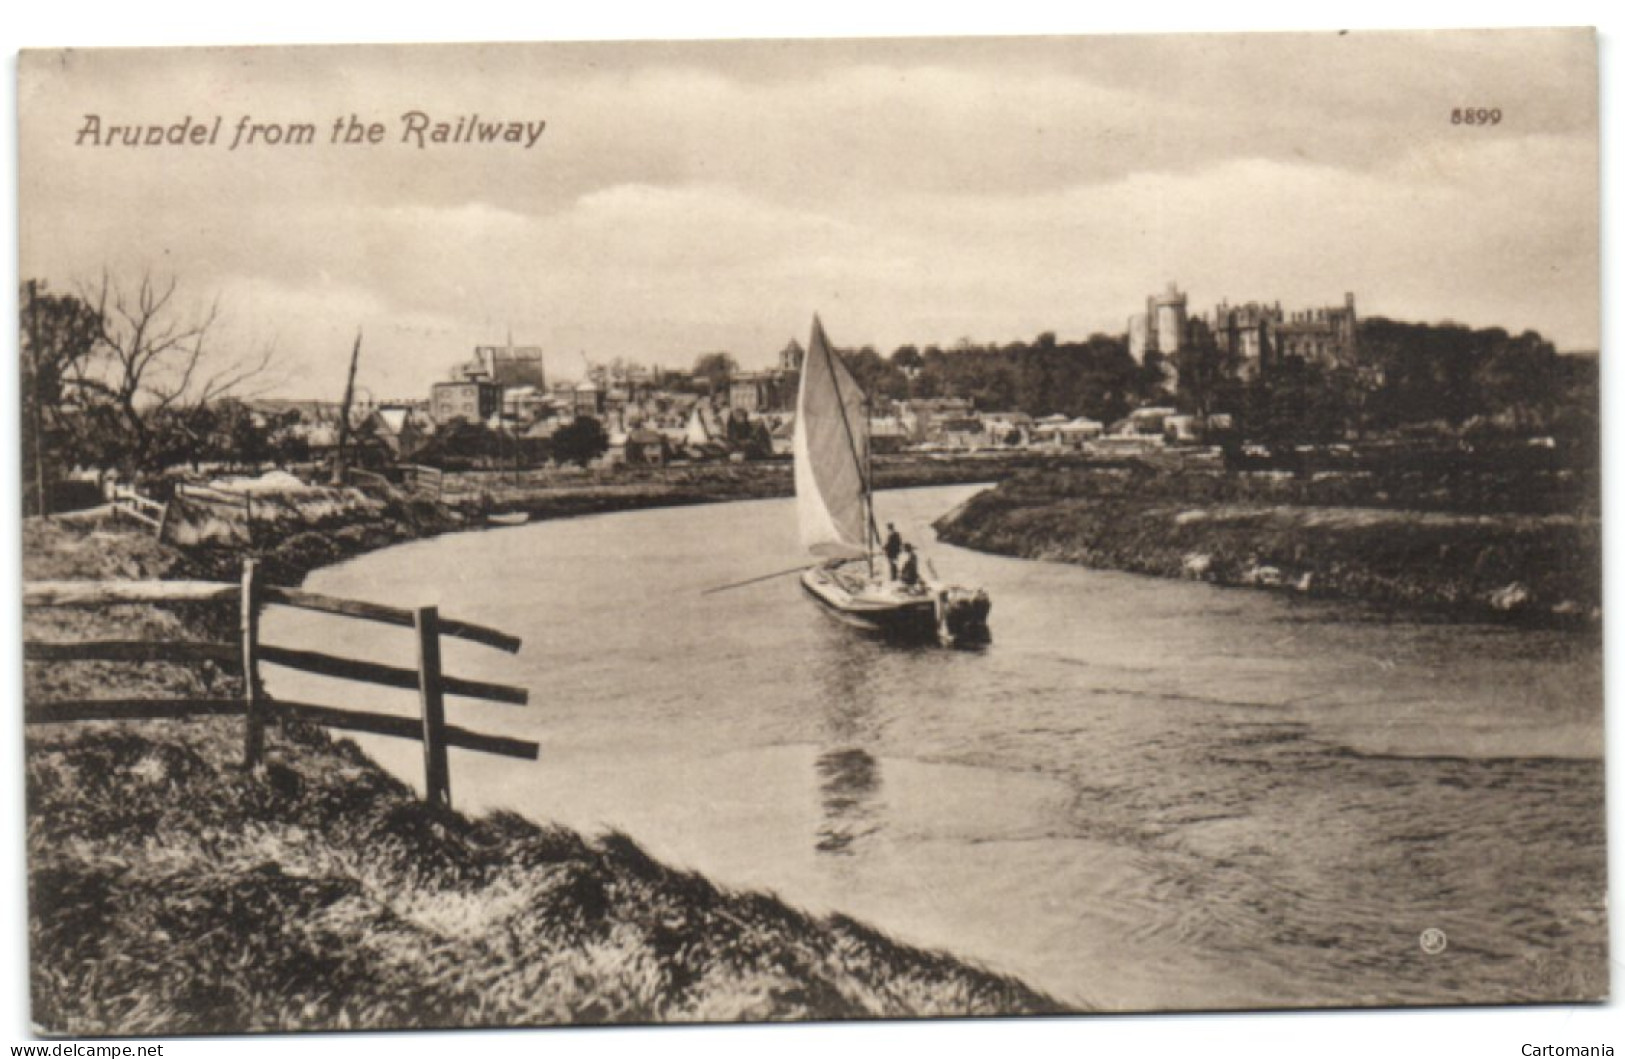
(234, 508)
(249, 653)
(364, 479)
(127, 503)
(424, 479)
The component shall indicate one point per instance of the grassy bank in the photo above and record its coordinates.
(1466, 546)
(173, 893)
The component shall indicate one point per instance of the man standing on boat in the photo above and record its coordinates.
(893, 547)
(910, 575)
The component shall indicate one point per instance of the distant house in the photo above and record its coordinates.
(587, 399)
(1182, 428)
(1194, 429)
(399, 429)
(645, 448)
(1060, 432)
(773, 390)
(525, 404)
(1143, 422)
(1077, 431)
(1007, 428)
(471, 400)
(963, 434)
(888, 434)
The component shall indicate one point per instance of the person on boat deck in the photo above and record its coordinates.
(910, 574)
(893, 547)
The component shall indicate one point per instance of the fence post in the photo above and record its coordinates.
(436, 773)
(254, 741)
(163, 521)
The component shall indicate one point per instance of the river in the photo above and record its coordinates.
(1145, 794)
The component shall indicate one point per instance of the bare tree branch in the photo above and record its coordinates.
(156, 363)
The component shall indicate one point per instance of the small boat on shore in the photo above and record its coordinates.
(835, 510)
(508, 518)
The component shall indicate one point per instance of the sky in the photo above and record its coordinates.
(692, 197)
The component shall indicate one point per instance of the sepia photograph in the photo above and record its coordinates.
(681, 531)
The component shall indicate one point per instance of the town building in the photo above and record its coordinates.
(472, 400)
(587, 399)
(507, 366)
(479, 388)
(770, 389)
(761, 391)
(525, 404)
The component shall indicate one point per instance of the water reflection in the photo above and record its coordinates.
(849, 781)
(852, 719)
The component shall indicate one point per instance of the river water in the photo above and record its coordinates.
(1145, 794)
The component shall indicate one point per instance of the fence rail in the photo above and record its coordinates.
(64, 711)
(127, 503)
(105, 593)
(389, 676)
(232, 506)
(355, 608)
(363, 478)
(250, 653)
(130, 651)
(425, 479)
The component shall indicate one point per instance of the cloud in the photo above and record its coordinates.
(691, 197)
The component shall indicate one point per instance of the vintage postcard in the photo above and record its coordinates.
(534, 534)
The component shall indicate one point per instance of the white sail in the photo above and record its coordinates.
(831, 449)
(697, 433)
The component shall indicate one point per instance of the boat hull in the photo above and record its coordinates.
(908, 618)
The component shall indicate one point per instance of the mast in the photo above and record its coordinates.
(873, 536)
(344, 411)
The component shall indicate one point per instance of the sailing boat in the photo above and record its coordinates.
(835, 508)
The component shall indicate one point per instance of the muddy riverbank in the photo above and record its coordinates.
(1457, 551)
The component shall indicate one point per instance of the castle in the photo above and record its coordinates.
(1255, 335)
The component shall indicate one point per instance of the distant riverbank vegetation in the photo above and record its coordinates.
(1406, 375)
(1504, 530)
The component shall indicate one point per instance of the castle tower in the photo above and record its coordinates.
(1169, 312)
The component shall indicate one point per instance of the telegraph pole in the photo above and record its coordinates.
(36, 414)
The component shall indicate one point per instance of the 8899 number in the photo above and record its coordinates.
(1476, 116)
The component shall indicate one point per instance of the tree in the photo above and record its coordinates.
(151, 367)
(581, 441)
(236, 435)
(874, 376)
(1208, 376)
(59, 333)
(461, 440)
(716, 369)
